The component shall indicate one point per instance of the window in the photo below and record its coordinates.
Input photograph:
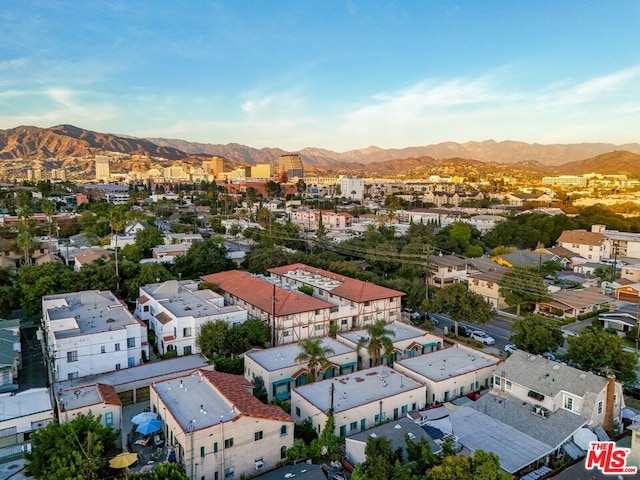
(366, 304)
(72, 375)
(118, 366)
(344, 322)
(228, 472)
(145, 308)
(283, 431)
(363, 424)
(508, 384)
(258, 436)
(228, 442)
(215, 447)
(131, 342)
(496, 381)
(186, 332)
(318, 312)
(187, 350)
(72, 356)
(297, 411)
(343, 430)
(108, 419)
(599, 407)
(103, 349)
(201, 452)
(287, 333)
(117, 347)
(319, 327)
(353, 426)
(404, 409)
(568, 403)
(283, 452)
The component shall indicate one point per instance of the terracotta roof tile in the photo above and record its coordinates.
(238, 391)
(259, 293)
(142, 299)
(163, 318)
(349, 288)
(108, 394)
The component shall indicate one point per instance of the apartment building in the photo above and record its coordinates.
(589, 245)
(486, 285)
(175, 311)
(91, 332)
(219, 428)
(447, 269)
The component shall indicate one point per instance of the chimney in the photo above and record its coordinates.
(608, 405)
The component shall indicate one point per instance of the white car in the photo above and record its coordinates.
(482, 337)
(510, 348)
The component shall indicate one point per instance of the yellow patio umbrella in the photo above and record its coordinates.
(123, 460)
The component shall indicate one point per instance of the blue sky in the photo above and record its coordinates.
(339, 75)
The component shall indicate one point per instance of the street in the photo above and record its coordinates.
(499, 328)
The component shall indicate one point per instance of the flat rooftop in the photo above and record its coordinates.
(284, 357)
(86, 313)
(359, 388)
(183, 299)
(22, 404)
(450, 362)
(401, 330)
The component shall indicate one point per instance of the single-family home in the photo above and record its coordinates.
(574, 302)
(450, 373)
(447, 269)
(98, 399)
(21, 413)
(628, 293)
(219, 428)
(486, 284)
(176, 310)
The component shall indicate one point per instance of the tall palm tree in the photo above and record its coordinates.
(315, 354)
(117, 221)
(377, 341)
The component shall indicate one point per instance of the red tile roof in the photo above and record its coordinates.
(143, 299)
(163, 318)
(108, 394)
(259, 293)
(349, 288)
(238, 391)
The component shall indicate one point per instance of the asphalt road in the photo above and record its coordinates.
(498, 328)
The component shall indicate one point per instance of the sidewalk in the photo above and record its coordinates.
(14, 470)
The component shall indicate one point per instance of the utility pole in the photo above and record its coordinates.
(273, 316)
(427, 253)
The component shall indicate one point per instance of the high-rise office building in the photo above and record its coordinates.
(213, 166)
(291, 164)
(103, 171)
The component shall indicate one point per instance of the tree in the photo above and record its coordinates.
(461, 305)
(381, 461)
(162, 471)
(35, 281)
(606, 273)
(78, 450)
(314, 354)
(481, 466)
(48, 207)
(211, 338)
(203, 257)
(255, 331)
(259, 389)
(537, 334)
(117, 221)
(273, 189)
(149, 238)
(597, 350)
(520, 286)
(377, 341)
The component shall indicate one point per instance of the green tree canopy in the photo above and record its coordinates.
(148, 239)
(537, 334)
(595, 349)
(78, 450)
(377, 341)
(202, 258)
(461, 305)
(211, 338)
(381, 461)
(314, 354)
(520, 286)
(162, 471)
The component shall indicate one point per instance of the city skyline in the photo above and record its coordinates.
(339, 76)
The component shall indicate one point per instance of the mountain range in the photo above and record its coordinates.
(66, 141)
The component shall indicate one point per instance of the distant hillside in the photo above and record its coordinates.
(63, 141)
(618, 162)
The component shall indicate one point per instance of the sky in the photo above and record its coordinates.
(338, 75)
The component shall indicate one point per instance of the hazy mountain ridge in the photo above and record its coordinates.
(66, 141)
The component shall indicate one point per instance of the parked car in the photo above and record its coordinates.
(549, 356)
(633, 391)
(510, 348)
(482, 337)
(432, 319)
(464, 330)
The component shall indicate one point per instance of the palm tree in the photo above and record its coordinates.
(377, 341)
(314, 353)
(117, 222)
(25, 240)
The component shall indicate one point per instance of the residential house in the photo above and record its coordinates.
(589, 245)
(291, 315)
(176, 310)
(521, 199)
(169, 253)
(619, 244)
(128, 235)
(486, 284)
(87, 256)
(91, 332)
(547, 386)
(630, 272)
(628, 293)
(447, 269)
(219, 428)
(10, 354)
(408, 342)
(450, 373)
(98, 399)
(280, 372)
(188, 238)
(571, 303)
(527, 258)
(359, 400)
(621, 317)
(21, 414)
(357, 303)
